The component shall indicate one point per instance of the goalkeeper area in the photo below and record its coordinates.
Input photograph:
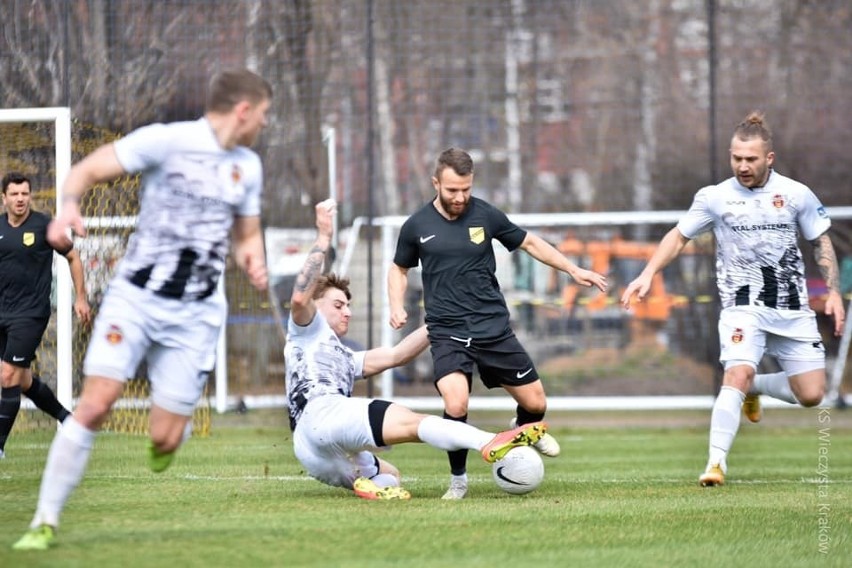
(590, 353)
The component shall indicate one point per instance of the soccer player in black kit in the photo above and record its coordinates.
(466, 314)
(26, 261)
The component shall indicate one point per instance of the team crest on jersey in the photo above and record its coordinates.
(29, 239)
(778, 201)
(236, 174)
(737, 336)
(477, 235)
(114, 335)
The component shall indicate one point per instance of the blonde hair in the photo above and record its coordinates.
(754, 126)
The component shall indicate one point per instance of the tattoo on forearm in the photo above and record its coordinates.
(827, 262)
(311, 270)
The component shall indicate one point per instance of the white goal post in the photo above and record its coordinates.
(60, 117)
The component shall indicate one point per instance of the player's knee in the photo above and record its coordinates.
(535, 405)
(10, 376)
(91, 413)
(454, 409)
(811, 398)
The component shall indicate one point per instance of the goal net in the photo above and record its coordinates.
(41, 144)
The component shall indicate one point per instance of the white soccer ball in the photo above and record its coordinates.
(520, 471)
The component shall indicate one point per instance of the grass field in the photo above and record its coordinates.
(624, 493)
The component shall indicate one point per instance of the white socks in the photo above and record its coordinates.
(776, 385)
(450, 435)
(385, 480)
(724, 423)
(66, 463)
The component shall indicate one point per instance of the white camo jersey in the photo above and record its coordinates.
(318, 364)
(191, 190)
(758, 260)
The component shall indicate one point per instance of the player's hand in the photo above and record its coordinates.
(589, 278)
(83, 310)
(326, 210)
(255, 269)
(398, 318)
(834, 308)
(640, 287)
(57, 229)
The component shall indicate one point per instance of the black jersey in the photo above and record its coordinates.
(460, 289)
(25, 267)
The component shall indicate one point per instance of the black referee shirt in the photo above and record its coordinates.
(25, 267)
(460, 289)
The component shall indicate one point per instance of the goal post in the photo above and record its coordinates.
(41, 143)
(60, 118)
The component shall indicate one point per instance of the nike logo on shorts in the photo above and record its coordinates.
(521, 375)
(426, 239)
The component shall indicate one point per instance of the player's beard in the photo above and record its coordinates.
(452, 208)
(758, 178)
(19, 210)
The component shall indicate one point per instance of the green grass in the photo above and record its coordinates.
(624, 493)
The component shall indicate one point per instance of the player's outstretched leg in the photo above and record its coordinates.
(526, 435)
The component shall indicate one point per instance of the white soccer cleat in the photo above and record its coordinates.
(547, 445)
(456, 491)
(713, 476)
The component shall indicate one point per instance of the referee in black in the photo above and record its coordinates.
(26, 261)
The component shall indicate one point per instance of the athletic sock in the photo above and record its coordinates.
(724, 423)
(66, 463)
(458, 458)
(385, 480)
(526, 417)
(776, 385)
(451, 436)
(43, 398)
(10, 404)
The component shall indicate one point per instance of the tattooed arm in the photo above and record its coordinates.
(827, 262)
(302, 306)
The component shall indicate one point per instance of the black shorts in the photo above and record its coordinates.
(500, 363)
(19, 339)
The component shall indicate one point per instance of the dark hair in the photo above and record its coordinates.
(332, 280)
(754, 126)
(14, 177)
(230, 87)
(455, 158)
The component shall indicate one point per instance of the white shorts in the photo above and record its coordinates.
(176, 339)
(334, 442)
(746, 333)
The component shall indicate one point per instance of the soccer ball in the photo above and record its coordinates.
(520, 471)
